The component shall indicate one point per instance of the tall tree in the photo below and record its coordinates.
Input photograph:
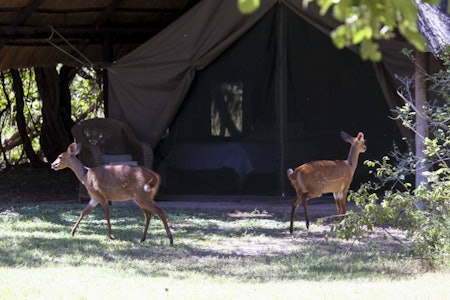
(54, 136)
(4, 110)
(66, 75)
(21, 121)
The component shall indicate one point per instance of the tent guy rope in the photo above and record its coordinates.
(86, 62)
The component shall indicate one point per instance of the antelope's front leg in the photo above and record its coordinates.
(87, 209)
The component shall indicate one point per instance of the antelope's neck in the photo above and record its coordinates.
(353, 158)
(79, 169)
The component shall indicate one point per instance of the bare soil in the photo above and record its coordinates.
(26, 184)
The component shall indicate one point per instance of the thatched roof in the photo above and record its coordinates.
(31, 31)
(101, 30)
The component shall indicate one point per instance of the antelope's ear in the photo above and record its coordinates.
(346, 137)
(74, 149)
(78, 148)
(360, 136)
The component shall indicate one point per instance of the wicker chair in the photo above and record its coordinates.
(109, 141)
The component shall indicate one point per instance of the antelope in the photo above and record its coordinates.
(313, 179)
(114, 183)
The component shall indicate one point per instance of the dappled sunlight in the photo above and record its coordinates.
(246, 245)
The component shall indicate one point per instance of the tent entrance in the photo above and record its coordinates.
(278, 97)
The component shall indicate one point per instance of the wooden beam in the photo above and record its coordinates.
(101, 20)
(21, 17)
(26, 12)
(145, 11)
(40, 32)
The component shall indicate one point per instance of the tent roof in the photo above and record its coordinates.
(26, 26)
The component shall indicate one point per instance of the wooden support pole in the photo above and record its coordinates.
(421, 69)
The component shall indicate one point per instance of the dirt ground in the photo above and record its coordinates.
(318, 208)
(25, 184)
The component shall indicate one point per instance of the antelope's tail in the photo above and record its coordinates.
(152, 184)
(289, 173)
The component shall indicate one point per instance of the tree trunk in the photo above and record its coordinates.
(421, 70)
(35, 161)
(66, 75)
(226, 122)
(54, 138)
(5, 110)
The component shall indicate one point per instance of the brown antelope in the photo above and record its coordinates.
(313, 179)
(114, 183)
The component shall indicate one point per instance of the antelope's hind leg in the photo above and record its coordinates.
(340, 199)
(152, 208)
(297, 201)
(148, 217)
(105, 207)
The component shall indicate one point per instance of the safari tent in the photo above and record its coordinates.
(227, 101)
(230, 101)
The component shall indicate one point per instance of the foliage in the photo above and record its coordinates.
(422, 211)
(365, 21)
(247, 6)
(85, 89)
(9, 132)
(226, 110)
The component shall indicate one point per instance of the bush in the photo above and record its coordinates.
(390, 199)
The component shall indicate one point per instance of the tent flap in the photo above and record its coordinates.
(147, 85)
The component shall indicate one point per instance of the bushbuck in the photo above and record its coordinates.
(313, 179)
(115, 183)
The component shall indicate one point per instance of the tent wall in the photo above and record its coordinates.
(325, 91)
(268, 88)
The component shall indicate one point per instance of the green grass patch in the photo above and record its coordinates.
(216, 255)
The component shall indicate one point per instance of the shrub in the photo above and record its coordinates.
(422, 211)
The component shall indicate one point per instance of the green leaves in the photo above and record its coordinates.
(339, 38)
(422, 211)
(362, 35)
(370, 50)
(324, 5)
(366, 21)
(412, 35)
(248, 6)
(432, 147)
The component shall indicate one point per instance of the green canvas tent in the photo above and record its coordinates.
(230, 101)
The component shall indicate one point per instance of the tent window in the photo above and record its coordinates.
(226, 109)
